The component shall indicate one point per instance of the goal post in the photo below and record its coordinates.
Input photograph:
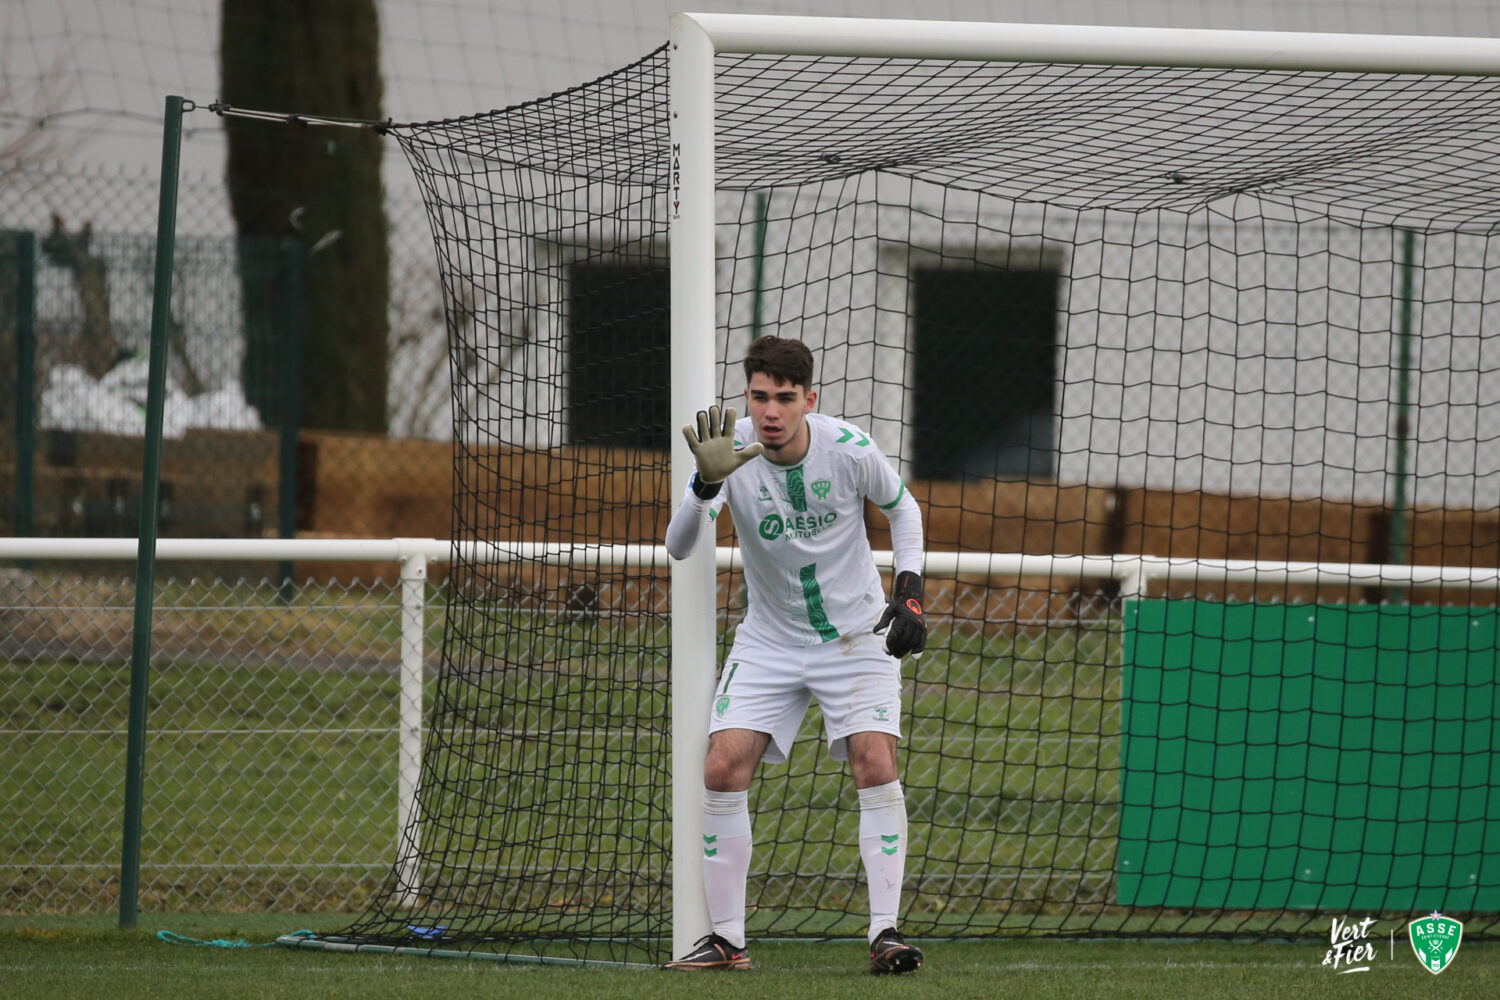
(695, 41)
(690, 195)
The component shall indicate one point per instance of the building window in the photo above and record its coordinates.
(984, 391)
(619, 355)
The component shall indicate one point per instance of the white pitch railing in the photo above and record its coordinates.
(1136, 574)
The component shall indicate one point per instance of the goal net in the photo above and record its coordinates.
(1235, 317)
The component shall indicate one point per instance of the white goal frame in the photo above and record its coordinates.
(695, 40)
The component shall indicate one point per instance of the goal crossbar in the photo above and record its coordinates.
(1098, 44)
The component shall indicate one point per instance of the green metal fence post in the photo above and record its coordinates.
(762, 214)
(145, 572)
(25, 249)
(289, 262)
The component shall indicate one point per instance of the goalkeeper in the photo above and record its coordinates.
(817, 626)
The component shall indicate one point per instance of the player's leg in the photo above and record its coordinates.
(732, 756)
(727, 772)
(860, 694)
(882, 846)
(882, 823)
(757, 710)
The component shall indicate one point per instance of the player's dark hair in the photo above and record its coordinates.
(784, 359)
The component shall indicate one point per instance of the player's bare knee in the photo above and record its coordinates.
(872, 758)
(730, 764)
(874, 774)
(720, 775)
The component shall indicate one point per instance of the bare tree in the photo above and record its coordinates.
(318, 186)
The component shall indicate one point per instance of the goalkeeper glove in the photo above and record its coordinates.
(714, 451)
(903, 616)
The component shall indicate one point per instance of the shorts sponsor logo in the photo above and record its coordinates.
(1435, 939)
(883, 713)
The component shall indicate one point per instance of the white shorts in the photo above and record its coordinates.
(766, 687)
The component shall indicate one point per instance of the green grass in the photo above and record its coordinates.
(42, 959)
(271, 788)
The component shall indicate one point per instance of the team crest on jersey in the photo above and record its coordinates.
(721, 705)
(821, 488)
(1435, 939)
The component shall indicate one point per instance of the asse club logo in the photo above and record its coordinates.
(1435, 938)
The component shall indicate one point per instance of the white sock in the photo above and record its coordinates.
(726, 861)
(882, 845)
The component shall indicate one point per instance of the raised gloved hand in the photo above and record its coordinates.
(903, 616)
(714, 451)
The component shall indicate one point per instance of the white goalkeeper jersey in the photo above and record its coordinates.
(808, 566)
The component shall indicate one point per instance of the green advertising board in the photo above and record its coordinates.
(1318, 756)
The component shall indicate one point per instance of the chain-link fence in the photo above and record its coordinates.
(76, 276)
(272, 764)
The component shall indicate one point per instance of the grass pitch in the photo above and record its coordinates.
(43, 958)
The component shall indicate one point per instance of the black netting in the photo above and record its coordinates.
(1205, 315)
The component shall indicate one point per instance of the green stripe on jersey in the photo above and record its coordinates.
(899, 494)
(796, 488)
(812, 596)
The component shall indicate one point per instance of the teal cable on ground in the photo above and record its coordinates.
(172, 938)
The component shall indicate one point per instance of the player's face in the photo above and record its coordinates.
(779, 411)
